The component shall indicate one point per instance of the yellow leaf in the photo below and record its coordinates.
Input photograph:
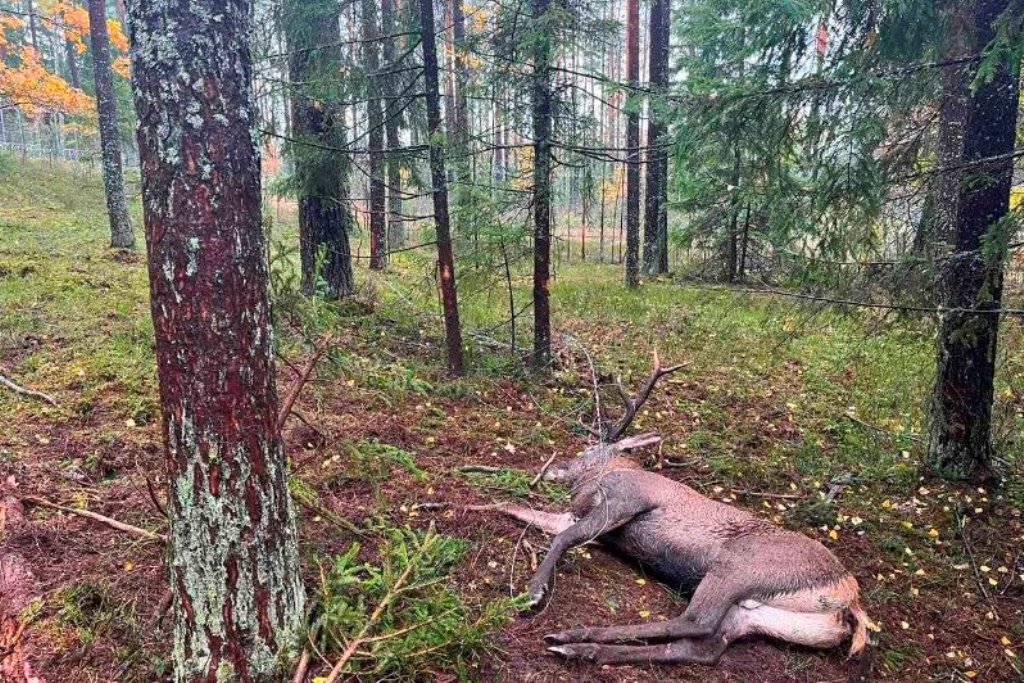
(641, 582)
(644, 614)
(833, 535)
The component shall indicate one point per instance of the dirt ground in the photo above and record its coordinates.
(85, 462)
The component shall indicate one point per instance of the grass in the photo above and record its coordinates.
(777, 398)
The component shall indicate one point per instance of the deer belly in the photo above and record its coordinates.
(679, 565)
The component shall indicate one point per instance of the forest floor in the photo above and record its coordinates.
(778, 404)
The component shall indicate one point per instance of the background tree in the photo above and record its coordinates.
(233, 556)
(633, 145)
(439, 181)
(971, 278)
(320, 176)
(542, 113)
(122, 235)
(393, 117)
(656, 211)
(375, 135)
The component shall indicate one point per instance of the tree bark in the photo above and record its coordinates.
(960, 445)
(657, 183)
(732, 236)
(122, 235)
(393, 117)
(461, 132)
(633, 147)
(541, 186)
(233, 558)
(439, 180)
(938, 217)
(375, 138)
(952, 123)
(72, 57)
(317, 123)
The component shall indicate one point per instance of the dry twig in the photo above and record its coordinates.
(543, 470)
(974, 564)
(479, 469)
(29, 393)
(112, 523)
(299, 383)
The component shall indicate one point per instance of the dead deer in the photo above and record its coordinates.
(746, 576)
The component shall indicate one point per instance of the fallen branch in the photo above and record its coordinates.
(156, 500)
(30, 393)
(763, 494)
(543, 470)
(360, 639)
(331, 516)
(431, 506)
(302, 668)
(298, 384)
(974, 563)
(479, 469)
(162, 608)
(112, 523)
(881, 430)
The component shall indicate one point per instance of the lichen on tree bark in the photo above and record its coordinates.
(233, 563)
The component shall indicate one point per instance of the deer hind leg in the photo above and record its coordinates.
(820, 630)
(823, 630)
(713, 600)
(685, 651)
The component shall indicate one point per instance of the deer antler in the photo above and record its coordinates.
(611, 434)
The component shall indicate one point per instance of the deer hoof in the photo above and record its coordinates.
(535, 596)
(563, 637)
(584, 651)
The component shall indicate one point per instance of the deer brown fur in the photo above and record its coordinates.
(746, 576)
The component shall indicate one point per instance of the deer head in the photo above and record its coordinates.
(610, 433)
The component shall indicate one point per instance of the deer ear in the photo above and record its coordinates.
(636, 442)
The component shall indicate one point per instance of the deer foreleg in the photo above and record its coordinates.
(549, 522)
(609, 515)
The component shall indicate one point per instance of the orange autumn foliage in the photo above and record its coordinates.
(24, 80)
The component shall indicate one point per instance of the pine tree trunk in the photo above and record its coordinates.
(233, 558)
(541, 187)
(461, 132)
(122, 236)
(960, 445)
(633, 147)
(396, 224)
(375, 138)
(732, 237)
(324, 219)
(439, 180)
(656, 182)
(71, 55)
